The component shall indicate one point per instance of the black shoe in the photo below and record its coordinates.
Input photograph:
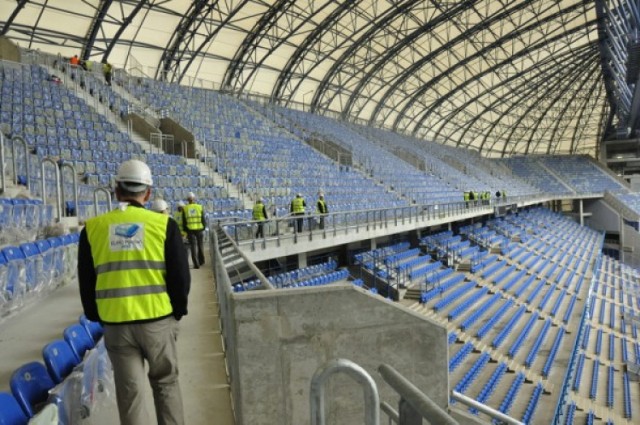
(196, 267)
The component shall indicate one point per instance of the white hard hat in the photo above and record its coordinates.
(191, 195)
(134, 176)
(299, 195)
(159, 205)
(181, 204)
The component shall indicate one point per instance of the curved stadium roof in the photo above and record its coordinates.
(500, 76)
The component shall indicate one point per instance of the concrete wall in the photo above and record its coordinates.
(169, 126)
(603, 217)
(9, 50)
(142, 126)
(283, 336)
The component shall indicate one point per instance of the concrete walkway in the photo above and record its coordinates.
(203, 375)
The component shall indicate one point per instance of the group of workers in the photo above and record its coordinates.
(297, 209)
(484, 197)
(87, 65)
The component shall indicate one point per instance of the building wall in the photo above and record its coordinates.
(282, 337)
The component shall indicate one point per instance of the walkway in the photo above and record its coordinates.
(203, 376)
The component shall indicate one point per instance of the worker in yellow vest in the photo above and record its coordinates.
(297, 209)
(177, 216)
(195, 223)
(321, 209)
(160, 206)
(134, 278)
(260, 215)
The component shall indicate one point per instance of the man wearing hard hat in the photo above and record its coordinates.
(195, 223)
(260, 215)
(160, 206)
(297, 209)
(134, 279)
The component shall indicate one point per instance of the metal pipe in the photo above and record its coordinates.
(95, 198)
(390, 411)
(371, 397)
(75, 184)
(14, 159)
(422, 404)
(2, 164)
(484, 408)
(57, 181)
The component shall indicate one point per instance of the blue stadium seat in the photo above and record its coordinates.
(10, 411)
(59, 359)
(93, 328)
(79, 339)
(30, 385)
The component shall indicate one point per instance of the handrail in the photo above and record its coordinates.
(391, 413)
(2, 164)
(417, 403)
(75, 184)
(95, 198)
(485, 409)
(43, 162)
(371, 397)
(14, 159)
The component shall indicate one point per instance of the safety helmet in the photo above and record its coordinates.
(134, 176)
(299, 195)
(159, 205)
(181, 204)
(191, 195)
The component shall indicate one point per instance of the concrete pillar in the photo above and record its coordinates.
(302, 260)
(374, 245)
(581, 212)
(621, 239)
(449, 226)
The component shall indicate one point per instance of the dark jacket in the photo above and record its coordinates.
(178, 278)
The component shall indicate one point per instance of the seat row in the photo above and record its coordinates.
(34, 385)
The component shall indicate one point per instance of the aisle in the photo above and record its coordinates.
(203, 376)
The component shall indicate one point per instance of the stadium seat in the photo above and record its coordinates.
(59, 359)
(93, 328)
(30, 385)
(79, 339)
(10, 411)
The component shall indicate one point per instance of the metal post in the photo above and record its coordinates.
(2, 164)
(75, 184)
(371, 397)
(44, 185)
(14, 159)
(419, 403)
(95, 198)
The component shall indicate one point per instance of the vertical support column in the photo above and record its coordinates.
(374, 244)
(581, 211)
(621, 239)
(302, 260)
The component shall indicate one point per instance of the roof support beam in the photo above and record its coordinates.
(95, 26)
(13, 16)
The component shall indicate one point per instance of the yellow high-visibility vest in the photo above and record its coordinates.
(258, 212)
(127, 246)
(297, 205)
(193, 213)
(177, 216)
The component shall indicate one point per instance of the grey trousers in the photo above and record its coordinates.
(128, 347)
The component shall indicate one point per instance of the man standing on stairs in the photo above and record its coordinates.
(195, 223)
(260, 215)
(321, 208)
(297, 209)
(134, 278)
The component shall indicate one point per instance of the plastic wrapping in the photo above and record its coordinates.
(97, 382)
(66, 395)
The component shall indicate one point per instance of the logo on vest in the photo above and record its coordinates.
(126, 237)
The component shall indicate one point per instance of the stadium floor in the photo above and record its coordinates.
(203, 376)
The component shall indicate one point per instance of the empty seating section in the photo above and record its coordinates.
(262, 158)
(56, 123)
(582, 174)
(528, 168)
(33, 269)
(535, 278)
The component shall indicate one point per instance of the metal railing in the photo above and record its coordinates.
(414, 405)
(74, 179)
(95, 198)
(43, 163)
(3, 185)
(371, 397)
(14, 159)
